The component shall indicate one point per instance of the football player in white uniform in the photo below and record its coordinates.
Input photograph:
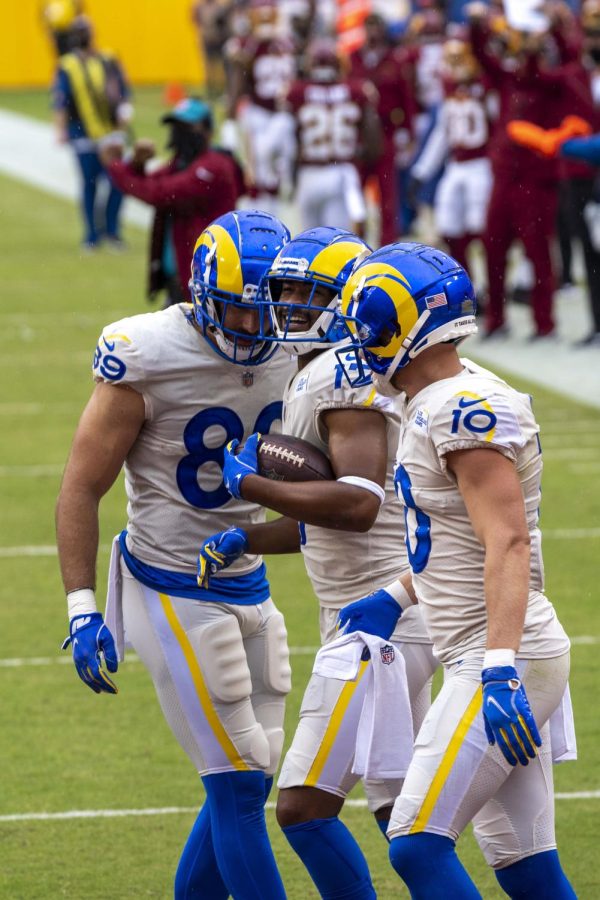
(468, 471)
(172, 388)
(349, 536)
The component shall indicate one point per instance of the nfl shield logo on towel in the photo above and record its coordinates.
(388, 654)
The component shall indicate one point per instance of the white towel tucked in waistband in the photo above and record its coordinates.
(562, 731)
(113, 615)
(384, 740)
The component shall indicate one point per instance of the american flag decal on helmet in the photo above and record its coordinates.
(435, 300)
(388, 654)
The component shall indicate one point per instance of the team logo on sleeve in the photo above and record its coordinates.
(388, 654)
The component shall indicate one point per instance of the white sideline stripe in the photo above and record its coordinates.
(557, 534)
(18, 662)
(358, 803)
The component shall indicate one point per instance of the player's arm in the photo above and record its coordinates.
(491, 490)
(490, 487)
(357, 449)
(108, 427)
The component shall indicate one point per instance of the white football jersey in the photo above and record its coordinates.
(343, 565)
(196, 402)
(473, 409)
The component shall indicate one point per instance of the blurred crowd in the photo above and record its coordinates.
(394, 119)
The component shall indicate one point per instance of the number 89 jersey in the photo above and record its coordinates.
(472, 410)
(195, 403)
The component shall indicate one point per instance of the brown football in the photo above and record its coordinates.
(283, 457)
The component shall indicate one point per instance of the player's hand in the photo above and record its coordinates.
(507, 715)
(236, 467)
(92, 643)
(219, 551)
(110, 152)
(376, 614)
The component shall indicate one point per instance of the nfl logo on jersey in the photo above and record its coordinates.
(247, 379)
(388, 654)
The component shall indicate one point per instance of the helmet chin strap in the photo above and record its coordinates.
(404, 349)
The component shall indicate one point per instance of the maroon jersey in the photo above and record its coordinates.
(466, 117)
(328, 120)
(269, 67)
(386, 70)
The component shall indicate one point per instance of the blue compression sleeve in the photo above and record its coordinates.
(198, 874)
(239, 831)
(430, 868)
(333, 859)
(537, 877)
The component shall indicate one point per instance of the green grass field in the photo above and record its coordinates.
(63, 748)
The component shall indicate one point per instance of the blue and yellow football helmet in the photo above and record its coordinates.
(319, 256)
(401, 300)
(230, 258)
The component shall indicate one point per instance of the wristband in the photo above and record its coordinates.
(494, 658)
(365, 483)
(81, 602)
(399, 593)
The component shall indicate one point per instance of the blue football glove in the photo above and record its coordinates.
(507, 715)
(219, 551)
(376, 614)
(235, 468)
(91, 640)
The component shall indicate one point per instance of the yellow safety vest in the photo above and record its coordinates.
(87, 76)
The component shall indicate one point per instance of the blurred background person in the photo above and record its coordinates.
(460, 138)
(58, 17)
(379, 62)
(211, 20)
(91, 104)
(198, 184)
(423, 41)
(328, 125)
(261, 66)
(523, 203)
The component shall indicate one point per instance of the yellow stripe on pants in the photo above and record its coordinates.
(332, 729)
(201, 690)
(445, 767)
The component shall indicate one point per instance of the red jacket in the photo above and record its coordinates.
(191, 198)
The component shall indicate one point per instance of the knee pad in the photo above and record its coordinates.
(222, 658)
(277, 671)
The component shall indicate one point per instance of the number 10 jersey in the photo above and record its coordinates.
(472, 410)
